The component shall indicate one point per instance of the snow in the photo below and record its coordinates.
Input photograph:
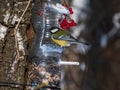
(6, 17)
(15, 18)
(3, 31)
(8, 4)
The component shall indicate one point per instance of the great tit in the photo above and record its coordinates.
(40, 86)
(62, 38)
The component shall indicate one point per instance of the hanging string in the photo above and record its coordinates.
(65, 2)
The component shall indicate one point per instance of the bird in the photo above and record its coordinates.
(62, 38)
(45, 85)
(40, 86)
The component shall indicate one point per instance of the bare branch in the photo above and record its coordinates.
(16, 27)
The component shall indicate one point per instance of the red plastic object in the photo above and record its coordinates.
(66, 25)
(40, 13)
(70, 9)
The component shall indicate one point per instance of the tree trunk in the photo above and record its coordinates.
(12, 70)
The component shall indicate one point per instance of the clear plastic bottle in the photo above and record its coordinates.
(44, 53)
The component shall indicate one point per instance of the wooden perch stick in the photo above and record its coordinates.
(15, 30)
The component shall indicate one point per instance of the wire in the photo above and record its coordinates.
(9, 84)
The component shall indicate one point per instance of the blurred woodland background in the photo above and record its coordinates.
(96, 24)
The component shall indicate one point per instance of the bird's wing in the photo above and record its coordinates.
(71, 40)
(40, 86)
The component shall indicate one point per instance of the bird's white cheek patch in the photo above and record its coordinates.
(54, 30)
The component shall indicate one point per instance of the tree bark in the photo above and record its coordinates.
(11, 69)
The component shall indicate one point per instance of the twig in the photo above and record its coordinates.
(16, 27)
(65, 2)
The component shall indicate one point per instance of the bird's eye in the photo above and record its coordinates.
(54, 30)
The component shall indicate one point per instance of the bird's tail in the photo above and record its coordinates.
(78, 42)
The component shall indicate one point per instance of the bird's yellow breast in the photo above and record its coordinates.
(62, 43)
